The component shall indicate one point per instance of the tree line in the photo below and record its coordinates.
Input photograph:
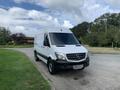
(7, 38)
(103, 32)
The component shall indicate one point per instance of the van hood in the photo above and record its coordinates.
(70, 49)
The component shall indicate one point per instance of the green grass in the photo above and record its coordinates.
(103, 50)
(16, 46)
(18, 73)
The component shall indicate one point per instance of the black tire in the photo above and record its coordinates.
(51, 67)
(35, 55)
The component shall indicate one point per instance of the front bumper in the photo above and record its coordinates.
(65, 64)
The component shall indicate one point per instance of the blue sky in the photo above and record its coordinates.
(32, 16)
(11, 3)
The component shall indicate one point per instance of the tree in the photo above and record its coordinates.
(81, 29)
(117, 39)
(4, 36)
(103, 32)
(92, 39)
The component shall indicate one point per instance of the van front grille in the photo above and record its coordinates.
(75, 56)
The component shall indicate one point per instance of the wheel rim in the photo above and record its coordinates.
(50, 67)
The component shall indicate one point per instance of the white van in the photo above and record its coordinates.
(60, 49)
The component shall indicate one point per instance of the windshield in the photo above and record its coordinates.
(63, 39)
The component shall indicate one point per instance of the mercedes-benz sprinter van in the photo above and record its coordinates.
(60, 49)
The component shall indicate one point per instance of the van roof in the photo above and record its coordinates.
(58, 31)
(54, 30)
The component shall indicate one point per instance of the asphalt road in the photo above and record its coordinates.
(102, 74)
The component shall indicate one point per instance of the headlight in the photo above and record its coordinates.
(60, 56)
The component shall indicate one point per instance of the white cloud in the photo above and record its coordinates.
(2, 11)
(21, 28)
(67, 24)
(66, 5)
(65, 8)
(64, 13)
(76, 4)
(77, 10)
(39, 15)
(114, 3)
(92, 10)
(17, 10)
(26, 21)
(68, 9)
(18, 29)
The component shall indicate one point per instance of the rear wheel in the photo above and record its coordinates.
(35, 55)
(51, 67)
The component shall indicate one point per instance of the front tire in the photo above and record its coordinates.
(51, 67)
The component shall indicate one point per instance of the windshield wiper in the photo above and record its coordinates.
(78, 45)
(60, 45)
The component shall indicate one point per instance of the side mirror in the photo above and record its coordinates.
(46, 44)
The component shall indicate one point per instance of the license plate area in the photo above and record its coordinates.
(77, 67)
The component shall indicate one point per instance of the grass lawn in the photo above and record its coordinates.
(16, 46)
(103, 50)
(18, 73)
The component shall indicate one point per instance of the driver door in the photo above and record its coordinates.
(46, 47)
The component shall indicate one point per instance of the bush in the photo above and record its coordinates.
(4, 36)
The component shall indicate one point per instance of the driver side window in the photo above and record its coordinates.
(46, 41)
